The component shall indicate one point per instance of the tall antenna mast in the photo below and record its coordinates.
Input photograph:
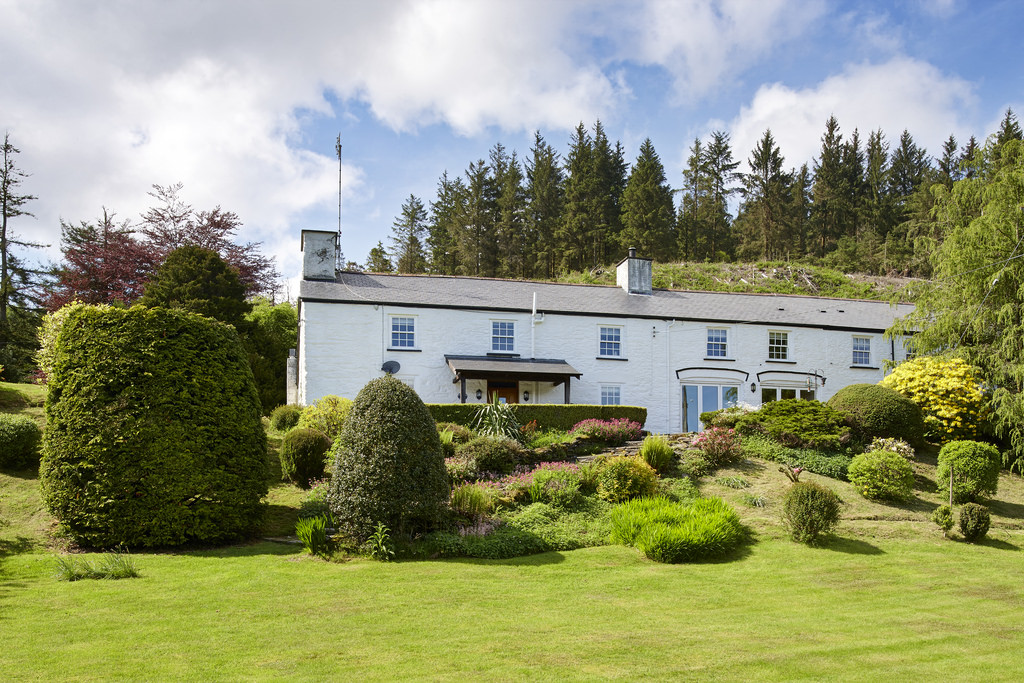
(337, 149)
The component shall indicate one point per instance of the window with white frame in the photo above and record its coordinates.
(862, 350)
(611, 395)
(403, 332)
(778, 346)
(610, 342)
(503, 336)
(718, 343)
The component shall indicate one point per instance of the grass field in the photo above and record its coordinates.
(886, 597)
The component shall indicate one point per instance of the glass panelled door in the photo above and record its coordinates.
(700, 398)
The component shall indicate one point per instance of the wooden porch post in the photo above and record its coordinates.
(462, 392)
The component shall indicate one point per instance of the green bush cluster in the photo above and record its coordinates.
(460, 434)
(285, 417)
(154, 434)
(666, 531)
(799, 424)
(877, 410)
(834, 465)
(720, 445)
(560, 529)
(943, 518)
(810, 510)
(724, 417)
(949, 392)
(882, 475)
(658, 453)
(974, 522)
(302, 456)
(388, 464)
(489, 454)
(19, 441)
(621, 478)
(502, 543)
(975, 466)
(326, 415)
(547, 415)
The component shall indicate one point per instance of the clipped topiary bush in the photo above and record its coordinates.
(490, 454)
(621, 478)
(19, 441)
(949, 392)
(975, 466)
(799, 424)
(974, 522)
(388, 466)
(877, 410)
(154, 433)
(810, 510)
(327, 415)
(882, 475)
(285, 417)
(302, 456)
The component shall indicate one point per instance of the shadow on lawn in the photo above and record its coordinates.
(540, 559)
(851, 546)
(997, 543)
(1006, 509)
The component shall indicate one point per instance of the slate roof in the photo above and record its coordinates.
(436, 291)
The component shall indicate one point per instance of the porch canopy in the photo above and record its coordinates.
(505, 368)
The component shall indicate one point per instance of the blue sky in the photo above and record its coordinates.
(242, 100)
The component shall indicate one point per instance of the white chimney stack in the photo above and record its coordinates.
(319, 254)
(633, 274)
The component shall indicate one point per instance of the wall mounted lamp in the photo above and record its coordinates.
(753, 387)
(479, 394)
(526, 395)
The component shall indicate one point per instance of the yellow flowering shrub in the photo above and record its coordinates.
(950, 393)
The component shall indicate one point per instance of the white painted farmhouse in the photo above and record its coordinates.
(676, 353)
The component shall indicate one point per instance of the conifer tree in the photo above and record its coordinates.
(477, 234)
(765, 192)
(545, 197)
(647, 207)
(515, 244)
(407, 234)
(582, 209)
(378, 260)
(443, 229)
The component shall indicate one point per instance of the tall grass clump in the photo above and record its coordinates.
(657, 452)
(670, 532)
(312, 532)
(113, 566)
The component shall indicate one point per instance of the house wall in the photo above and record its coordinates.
(342, 346)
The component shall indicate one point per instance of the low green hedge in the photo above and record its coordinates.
(548, 415)
(834, 465)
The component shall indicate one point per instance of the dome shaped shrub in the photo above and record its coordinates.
(19, 441)
(285, 417)
(810, 510)
(302, 455)
(974, 522)
(154, 434)
(388, 466)
(882, 475)
(880, 411)
(975, 466)
(326, 415)
(621, 478)
(490, 454)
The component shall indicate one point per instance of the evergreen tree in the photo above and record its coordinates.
(443, 228)
(582, 208)
(949, 162)
(610, 172)
(515, 244)
(407, 233)
(198, 280)
(800, 210)
(878, 209)
(691, 226)
(721, 179)
(908, 171)
(765, 192)
(477, 238)
(378, 260)
(647, 207)
(833, 208)
(545, 197)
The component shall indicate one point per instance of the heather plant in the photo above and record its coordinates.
(613, 432)
(974, 522)
(461, 469)
(809, 511)
(19, 441)
(622, 478)
(949, 392)
(882, 475)
(720, 445)
(974, 466)
(327, 415)
(657, 452)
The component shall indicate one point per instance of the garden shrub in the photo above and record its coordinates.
(285, 417)
(657, 453)
(943, 517)
(586, 526)
(798, 423)
(612, 432)
(693, 463)
(470, 500)
(834, 465)
(621, 478)
(975, 466)
(19, 441)
(497, 420)
(312, 533)
(459, 433)
(154, 434)
(558, 484)
(974, 522)
(666, 531)
(302, 456)
(489, 454)
(897, 446)
(810, 510)
(447, 439)
(720, 445)
(725, 417)
(882, 475)
(949, 392)
(326, 415)
(460, 469)
(877, 410)
(388, 465)
(502, 543)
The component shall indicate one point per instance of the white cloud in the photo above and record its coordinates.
(899, 94)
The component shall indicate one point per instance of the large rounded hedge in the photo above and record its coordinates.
(388, 463)
(153, 431)
(881, 411)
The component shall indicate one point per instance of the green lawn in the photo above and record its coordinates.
(887, 596)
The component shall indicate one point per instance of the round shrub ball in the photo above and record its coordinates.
(882, 475)
(19, 441)
(490, 454)
(621, 478)
(285, 417)
(810, 510)
(388, 465)
(154, 434)
(880, 411)
(975, 466)
(302, 456)
(974, 522)
(326, 415)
